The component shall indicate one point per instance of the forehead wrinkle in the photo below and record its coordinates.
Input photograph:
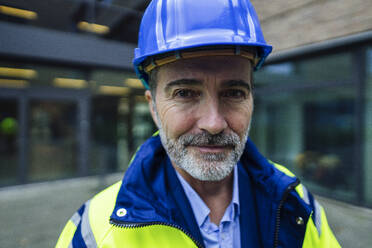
(196, 72)
(236, 83)
(182, 82)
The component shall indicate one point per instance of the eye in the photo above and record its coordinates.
(235, 94)
(185, 93)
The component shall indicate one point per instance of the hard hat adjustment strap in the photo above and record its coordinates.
(156, 62)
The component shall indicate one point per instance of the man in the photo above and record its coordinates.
(200, 182)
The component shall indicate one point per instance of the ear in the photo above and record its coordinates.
(148, 97)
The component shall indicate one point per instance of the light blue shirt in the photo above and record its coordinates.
(227, 234)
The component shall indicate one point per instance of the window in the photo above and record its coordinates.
(304, 119)
(59, 122)
(120, 120)
(331, 69)
(52, 135)
(9, 134)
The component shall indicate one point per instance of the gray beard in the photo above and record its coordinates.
(209, 166)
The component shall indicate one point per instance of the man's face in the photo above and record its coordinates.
(203, 109)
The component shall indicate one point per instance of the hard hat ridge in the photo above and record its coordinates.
(178, 25)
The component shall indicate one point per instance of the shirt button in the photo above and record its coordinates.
(207, 229)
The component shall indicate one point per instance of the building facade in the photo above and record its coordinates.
(70, 104)
(313, 98)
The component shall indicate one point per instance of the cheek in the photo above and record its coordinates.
(240, 118)
(175, 120)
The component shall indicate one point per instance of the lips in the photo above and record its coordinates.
(211, 148)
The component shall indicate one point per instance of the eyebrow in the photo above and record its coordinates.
(182, 81)
(237, 83)
(195, 82)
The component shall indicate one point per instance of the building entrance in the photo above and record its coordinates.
(8, 140)
(52, 138)
(44, 134)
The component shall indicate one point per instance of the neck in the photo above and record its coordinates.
(216, 195)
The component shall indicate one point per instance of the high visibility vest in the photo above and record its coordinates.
(90, 226)
(96, 230)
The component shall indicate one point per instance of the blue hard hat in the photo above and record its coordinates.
(170, 26)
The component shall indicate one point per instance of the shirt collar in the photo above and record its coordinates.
(235, 198)
(200, 209)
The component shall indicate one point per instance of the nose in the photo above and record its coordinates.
(211, 117)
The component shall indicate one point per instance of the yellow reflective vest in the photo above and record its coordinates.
(126, 215)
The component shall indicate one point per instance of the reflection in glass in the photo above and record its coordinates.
(112, 119)
(143, 124)
(307, 128)
(52, 140)
(328, 143)
(104, 153)
(312, 133)
(8, 141)
(331, 68)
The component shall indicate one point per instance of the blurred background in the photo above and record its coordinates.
(72, 112)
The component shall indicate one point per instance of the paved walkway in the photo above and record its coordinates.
(33, 215)
(352, 225)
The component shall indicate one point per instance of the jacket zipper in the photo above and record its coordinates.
(279, 209)
(139, 225)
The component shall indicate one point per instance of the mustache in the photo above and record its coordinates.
(206, 138)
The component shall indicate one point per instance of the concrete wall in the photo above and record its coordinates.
(292, 23)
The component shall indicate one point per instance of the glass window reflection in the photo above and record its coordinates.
(52, 140)
(120, 120)
(330, 68)
(9, 129)
(311, 130)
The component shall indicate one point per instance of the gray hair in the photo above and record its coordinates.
(153, 76)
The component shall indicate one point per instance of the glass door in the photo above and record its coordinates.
(52, 138)
(8, 141)
(57, 132)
